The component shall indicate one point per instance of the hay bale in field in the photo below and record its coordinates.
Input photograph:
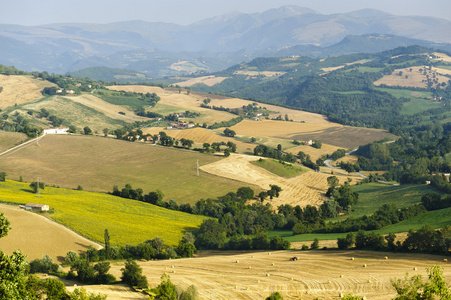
(269, 253)
(414, 268)
(341, 276)
(352, 258)
(237, 261)
(172, 267)
(252, 256)
(267, 274)
(386, 257)
(445, 260)
(272, 264)
(249, 267)
(364, 265)
(341, 295)
(173, 271)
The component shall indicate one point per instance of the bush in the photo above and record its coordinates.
(44, 265)
(132, 275)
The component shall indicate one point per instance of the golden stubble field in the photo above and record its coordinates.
(20, 89)
(306, 189)
(207, 80)
(329, 133)
(254, 275)
(35, 235)
(415, 78)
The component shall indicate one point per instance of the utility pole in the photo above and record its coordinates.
(37, 138)
(37, 188)
(197, 167)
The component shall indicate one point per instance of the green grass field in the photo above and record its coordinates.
(418, 100)
(281, 169)
(436, 219)
(374, 195)
(128, 221)
(98, 163)
(132, 102)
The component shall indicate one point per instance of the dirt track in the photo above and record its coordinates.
(307, 188)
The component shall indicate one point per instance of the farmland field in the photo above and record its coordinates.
(36, 235)
(98, 163)
(80, 115)
(202, 135)
(20, 89)
(329, 133)
(415, 78)
(281, 169)
(207, 80)
(10, 139)
(308, 188)
(322, 274)
(89, 214)
(374, 195)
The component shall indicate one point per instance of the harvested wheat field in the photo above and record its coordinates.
(20, 89)
(11, 139)
(415, 78)
(307, 188)
(254, 275)
(442, 56)
(295, 115)
(200, 136)
(329, 133)
(36, 235)
(137, 88)
(314, 152)
(207, 80)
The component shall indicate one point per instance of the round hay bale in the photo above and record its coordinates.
(369, 281)
(364, 265)
(236, 287)
(272, 264)
(267, 274)
(252, 256)
(445, 260)
(258, 281)
(269, 253)
(291, 278)
(386, 257)
(75, 285)
(173, 271)
(341, 276)
(414, 268)
(169, 258)
(249, 267)
(341, 295)
(352, 258)
(172, 267)
(237, 261)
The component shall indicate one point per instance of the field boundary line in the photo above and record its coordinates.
(23, 144)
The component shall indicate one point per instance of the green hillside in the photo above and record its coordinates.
(128, 221)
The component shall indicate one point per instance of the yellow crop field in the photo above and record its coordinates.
(313, 152)
(19, 89)
(89, 214)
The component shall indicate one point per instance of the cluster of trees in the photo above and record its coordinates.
(265, 151)
(419, 154)
(425, 240)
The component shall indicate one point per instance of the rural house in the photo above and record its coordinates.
(37, 207)
(56, 131)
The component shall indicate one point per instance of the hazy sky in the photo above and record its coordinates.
(38, 12)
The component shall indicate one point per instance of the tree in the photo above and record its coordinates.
(166, 290)
(274, 296)
(333, 181)
(228, 132)
(245, 193)
(346, 242)
(87, 130)
(35, 186)
(206, 146)
(315, 244)
(317, 144)
(2, 176)
(132, 275)
(277, 189)
(415, 288)
(105, 131)
(106, 236)
(226, 152)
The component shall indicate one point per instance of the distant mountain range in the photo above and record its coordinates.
(215, 43)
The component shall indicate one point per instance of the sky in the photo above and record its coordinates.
(184, 12)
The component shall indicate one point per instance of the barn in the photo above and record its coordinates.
(37, 207)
